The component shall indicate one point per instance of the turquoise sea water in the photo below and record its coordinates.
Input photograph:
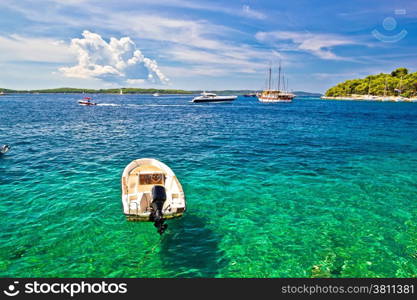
(307, 189)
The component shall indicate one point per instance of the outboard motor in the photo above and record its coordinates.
(159, 197)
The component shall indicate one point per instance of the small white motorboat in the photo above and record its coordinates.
(155, 94)
(4, 149)
(86, 101)
(151, 193)
(211, 97)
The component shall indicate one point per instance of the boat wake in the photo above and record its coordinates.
(180, 105)
(107, 104)
(144, 105)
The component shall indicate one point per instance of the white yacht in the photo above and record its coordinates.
(211, 97)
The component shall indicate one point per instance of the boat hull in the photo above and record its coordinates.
(275, 96)
(87, 103)
(274, 100)
(143, 218)
(217, 99)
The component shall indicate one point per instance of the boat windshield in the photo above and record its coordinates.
(208, 94)
(153, 178)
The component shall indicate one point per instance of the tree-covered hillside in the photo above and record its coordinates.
(399, 82)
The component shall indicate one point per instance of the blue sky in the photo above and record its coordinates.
(201, 44)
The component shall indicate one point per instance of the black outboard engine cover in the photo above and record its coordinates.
(159, 197)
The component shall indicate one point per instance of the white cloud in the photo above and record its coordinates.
(193, 42)
(196, 44)
(117, 60)
(319, 45)
(228, 59)
(202, 43)
(135, 81)
(21, 48)
(249, 12)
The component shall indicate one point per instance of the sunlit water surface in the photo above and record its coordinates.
(307, 189)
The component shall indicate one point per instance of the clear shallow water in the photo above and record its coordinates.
(311, 188)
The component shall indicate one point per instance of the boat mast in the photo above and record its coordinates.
(401, 84)
(279, 76)
(266, 81)
(399, 87)
(270, 78)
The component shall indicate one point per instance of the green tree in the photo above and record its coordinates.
(399, 72)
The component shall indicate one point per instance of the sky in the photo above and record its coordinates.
(207, 45)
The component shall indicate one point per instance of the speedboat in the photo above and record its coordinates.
(155, 94)
(4, 149)
(151, 193)
(211, 97)
(86, 101)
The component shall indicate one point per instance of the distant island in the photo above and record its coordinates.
(306, 94)
(398, 85)
(68, 90)
(245, 92)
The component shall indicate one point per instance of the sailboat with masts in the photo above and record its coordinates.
(369, 96)
(271, 95)
(399, 90)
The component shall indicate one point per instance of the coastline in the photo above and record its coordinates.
(371, 98)
(139, 91)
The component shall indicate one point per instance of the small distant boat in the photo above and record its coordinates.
(151, 193)
(4, 149)
(211, 97)
(250, 95)
(155, 94)
(2, 93)
(121, 92)
(86, 101)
